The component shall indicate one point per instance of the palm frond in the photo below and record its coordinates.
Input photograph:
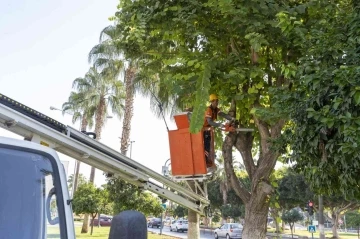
(109, 32)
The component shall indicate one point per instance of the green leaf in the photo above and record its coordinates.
(191, 63)
(336, 105)
(174, 8)
(357, 97)
(253, 111)
(202, 92)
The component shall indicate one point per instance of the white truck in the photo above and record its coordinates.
(34, 198)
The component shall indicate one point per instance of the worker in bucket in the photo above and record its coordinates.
(211, 114)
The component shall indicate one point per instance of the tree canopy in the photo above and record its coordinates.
(268, 63)
(294, 191)
(324, 106)
(126, 196)
(91, 200)
(291, 217)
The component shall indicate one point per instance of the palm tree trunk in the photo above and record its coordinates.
(129, 109)
(99, 123)
(76, 176)
(83, 127)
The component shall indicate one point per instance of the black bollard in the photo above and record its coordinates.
(128, 225)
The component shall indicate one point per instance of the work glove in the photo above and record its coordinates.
(229, 128)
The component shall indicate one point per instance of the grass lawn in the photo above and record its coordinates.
(103, 233)
(328, 234)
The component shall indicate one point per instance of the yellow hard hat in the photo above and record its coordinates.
(213, 97)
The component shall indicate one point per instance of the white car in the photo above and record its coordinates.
(229, 230)
(179, 225)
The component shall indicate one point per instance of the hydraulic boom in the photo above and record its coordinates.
(39, 128)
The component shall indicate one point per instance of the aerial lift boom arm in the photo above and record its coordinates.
(39, 128)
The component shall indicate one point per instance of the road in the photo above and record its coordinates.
(204, 234)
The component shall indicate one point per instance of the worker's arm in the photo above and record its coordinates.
(213, 123)
(226, 116)
(189, 114)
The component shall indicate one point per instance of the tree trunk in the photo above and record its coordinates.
(193, 220)
(323, 152)
(85, 226)
(92, 225)
(256, 201)
(84, 123)
(321, 217)
(99, 123)
(335, 222)
(255, 218)
(129, 109)
(83, 127)
(193, 227)
(275, 215)
(92, 175)
(224, 190)
(283, 225)
(76, 176)
(256, 198)
(277, 226)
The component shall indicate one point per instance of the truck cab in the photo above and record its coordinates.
(34, 199)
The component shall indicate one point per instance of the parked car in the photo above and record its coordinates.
(154, 222)
(229, 230)
(105, 221)
(179, 225)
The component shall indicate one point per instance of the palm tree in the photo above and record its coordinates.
(108, 56)
(79, 112)
(101, 93)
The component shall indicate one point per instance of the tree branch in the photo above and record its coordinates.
(264, 135)
(243, 140)
(268, 159)
(236, 184)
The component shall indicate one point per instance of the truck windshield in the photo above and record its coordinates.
(28, 207)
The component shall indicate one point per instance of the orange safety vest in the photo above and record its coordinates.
(210, 113)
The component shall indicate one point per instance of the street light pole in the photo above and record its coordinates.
(131, 142)
(164, 171)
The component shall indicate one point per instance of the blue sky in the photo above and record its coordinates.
(43, 48)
